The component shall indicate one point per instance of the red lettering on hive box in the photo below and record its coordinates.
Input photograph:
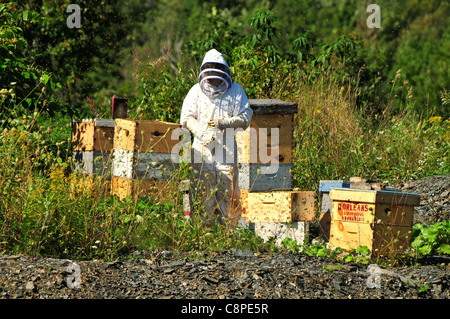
(352, 212)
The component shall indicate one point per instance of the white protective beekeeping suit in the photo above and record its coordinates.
(213, 110)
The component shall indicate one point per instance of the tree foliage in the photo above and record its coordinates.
(405, 60)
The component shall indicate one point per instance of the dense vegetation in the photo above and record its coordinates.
(372, 103)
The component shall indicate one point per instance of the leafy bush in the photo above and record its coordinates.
(161, 93)
(24, 86)
(433, 239)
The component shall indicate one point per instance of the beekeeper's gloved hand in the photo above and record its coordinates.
(232, 122)
(208, 137)
(205, 137)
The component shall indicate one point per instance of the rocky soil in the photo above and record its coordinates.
(234, 274)
(435, 198)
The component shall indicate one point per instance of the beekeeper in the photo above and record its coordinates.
(213, 111)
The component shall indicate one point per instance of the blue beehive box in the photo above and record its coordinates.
(265, 177)
(324, 188)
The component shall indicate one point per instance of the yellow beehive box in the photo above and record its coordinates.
(145, 136)
(162, 191)
(92, 145)
(92, 135)
(278, 206)
(142, 159)
(269, 137)
(380, 220)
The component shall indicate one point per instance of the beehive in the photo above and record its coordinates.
(159, 190)
(145, 136)
(380, 220)
(142, 158)
(92, 145)
(278, 207)
(265, 177)
(265, 147)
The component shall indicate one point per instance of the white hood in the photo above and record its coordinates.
(214, 66)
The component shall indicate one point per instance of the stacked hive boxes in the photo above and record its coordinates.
(92, 144)
(269, 203)
(143, 161)
(381, 220)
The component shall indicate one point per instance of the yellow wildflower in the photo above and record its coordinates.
(435, 119)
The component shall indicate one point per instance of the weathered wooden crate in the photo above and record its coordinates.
(143, 162)
(93, 163)
(92, 145)
(143, 165)
(380, 220)
(265, 147)
(325, 225)
(243, 199)
(278, 207)
(92, 135)
(269, 137)
(326, 203)
(145, 136)
(296, 231)
(161, 191)
(265, 177)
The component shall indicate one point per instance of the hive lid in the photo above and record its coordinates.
(272, 106)
(97, 122)
(326, 185)
(375, 196)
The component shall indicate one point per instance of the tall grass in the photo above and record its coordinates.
(46, 208)
(336, 139)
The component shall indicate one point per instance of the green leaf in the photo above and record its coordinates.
(444, 249)
(417, 242)
(363, 250)
(348, 258)
(425, 249)
(322, 252)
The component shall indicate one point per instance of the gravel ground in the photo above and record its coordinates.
(218, 275)
(435, 198)
(234, 274)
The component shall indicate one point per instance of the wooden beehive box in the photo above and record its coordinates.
(92, 145)
(243, 200)
(278, 207)
(92, 134)
(145, 135)
(265, 177)
(269, 137)
(380, 220)
(143, 161)
(267, 141)
(159, 190)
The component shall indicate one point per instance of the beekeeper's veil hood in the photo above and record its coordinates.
(214, 66)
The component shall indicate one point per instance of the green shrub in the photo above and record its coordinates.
(430, 240)
(24, 86)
